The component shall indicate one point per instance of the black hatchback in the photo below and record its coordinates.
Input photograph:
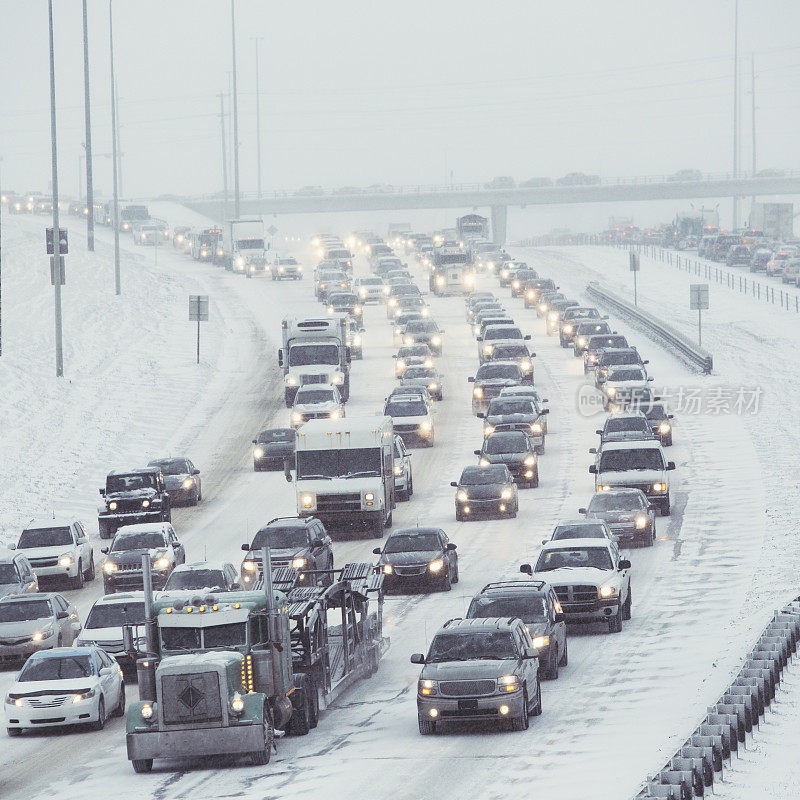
(272, 447)
(484, 491)
(418, 557)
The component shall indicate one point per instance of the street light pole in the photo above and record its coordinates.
(56, 237)
(224, 156)
(258, 39)
(115, 204)
(88, 123)
(236, 200)
(753, 115)
(735, 110)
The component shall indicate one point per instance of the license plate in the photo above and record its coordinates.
(466, 705)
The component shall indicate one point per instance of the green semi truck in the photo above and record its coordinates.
(226, 670)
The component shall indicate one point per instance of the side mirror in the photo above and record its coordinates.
(533, 355)
(530, 652)
(582, 511)
(479, 338)
(526, 569)
(377, 551)
(453, 484)
(287, 470)
(593, 470)
(544, 541)
(195, 471)
(544, 411)
(476, 452)
(646, 361)
(670, 465)
(545, 401)
(649, 380)
(624, 563)
(559, 616)
(255, 441)
(102, 492)
(280, 358)
(670, 416)
(417, 658)
(245, 548)
(104, 550)
(62, 615)
(651, 507)
(527, 337)
(593, 450)
(471, 379)
(235, 586)
(12, 547)
(481, 415)
(451, 546)
(599, 432)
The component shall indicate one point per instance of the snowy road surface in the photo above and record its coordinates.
(622, 702)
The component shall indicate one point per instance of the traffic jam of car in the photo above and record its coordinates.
(348, 471)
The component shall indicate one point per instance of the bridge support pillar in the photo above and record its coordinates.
(499, 222)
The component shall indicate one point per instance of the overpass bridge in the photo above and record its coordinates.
(475, 196)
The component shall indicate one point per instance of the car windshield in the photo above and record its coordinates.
(511, 351)
(620, 358)
(506, 443)
(115, 615)
(276, 435)
(502, 333)
(602, 342)
(250, 244)
(171, 466)
(527, 607)
(501, 407)
(620, 460)
(312, 396)
(405, 289)
(482, 476)
(288, 262)
(597, 557)
(626, 375)
(412, 543)
(342, 299)
(352, 463)
(587, 531)
(301, 355)
(216, 636)
(370, 282)
(594, 327)
(418, 372)
(472, 645)
(584, 313)
(280, 537)
(421, 326)
(52, 668)
(656, 411)
(128, 483)
(138, 541)
(23, 611)
(494, 371)
(419, 350)
(413, 407)
(45, 537)
(604, 501)
(626, 424)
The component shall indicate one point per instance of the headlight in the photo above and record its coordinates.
(369, 496)
(508, 683)
(529, 461)
(505, 273)
(392, 302)
(291, 380)
(488, 430)
(146, 711)
(237, 704)
(553, 316)
(45, 633)
(567, 329)
(506, 494)
(659, 487)
(386, 289)
(436, 566)
(398, 470)
(335, 414)
(536, 427)
(664, 427)
(220, 253)
(487, 348)
(525, 365)
(112, 506)
(307, 500)
(530, 295)
(433, 386)
(409, 340)
(330, 309)
(440, 281)
(604, 488)
(65, 560)
(299, 563)
(641, 522)
(462, 496)
(477, 392)
(426, 425)
(541, 641)
(110, 567)
(427, 363)
(76, 698)
(258, 452)
(399, 364)
(161, 563)
(581, 342)
(357, 309)
(543, 307)
(145, 504)
(357, 340)
(297, 417)
(427, 687)
(484, 462)
(610, 391)
(387, 569)
(608, 591)
(436, 340)
(249, 566)
(188, 483)
(337, 379)
(515, 284)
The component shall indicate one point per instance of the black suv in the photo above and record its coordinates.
(131, 496)
(536, 604)
(301, 543)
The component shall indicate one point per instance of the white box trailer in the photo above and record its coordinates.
(345, 472)
(245, 246)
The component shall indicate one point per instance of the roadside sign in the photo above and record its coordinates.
(62, 271)
(198, 308)
(63, 244)
(634, 261)
(698, 297)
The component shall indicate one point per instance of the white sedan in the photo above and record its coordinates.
(65, 686)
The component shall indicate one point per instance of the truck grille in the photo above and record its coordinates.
(130, 506)
(50, 561)
(49, 701)
(466, 688)
(191, 698)
(576, 594)
(339, 502)
(313, 379)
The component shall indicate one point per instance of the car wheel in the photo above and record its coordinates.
(455, 575)
(262, 756)
(626, 608)
(77, 581)
(615, 623)
(120, 709)
(100, 722)
(521, 722)
(537, 709)
(142, 765)
(90, 573)
(426, 726)
(447, 584)
(14, 731)
(387, 523)
(59, 641)
(105, 532)
(459, 517)
(564, 655)
(377, 528)
(665, 508)
(107, 589)
(410, 486)
(649, 538)
(300, 721)
(314, 695)
(535, 481)
(552, 667)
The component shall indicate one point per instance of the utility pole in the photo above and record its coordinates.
(224, 155)
(753, 119)
(735, 110)
(119, 141)
(56, 231)
(258, 39)
(88, 145)
(1, 261)
(115, 168)
(236, 198)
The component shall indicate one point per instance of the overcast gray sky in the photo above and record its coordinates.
(356, 93)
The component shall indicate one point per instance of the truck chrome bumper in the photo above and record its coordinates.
(236, 739)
